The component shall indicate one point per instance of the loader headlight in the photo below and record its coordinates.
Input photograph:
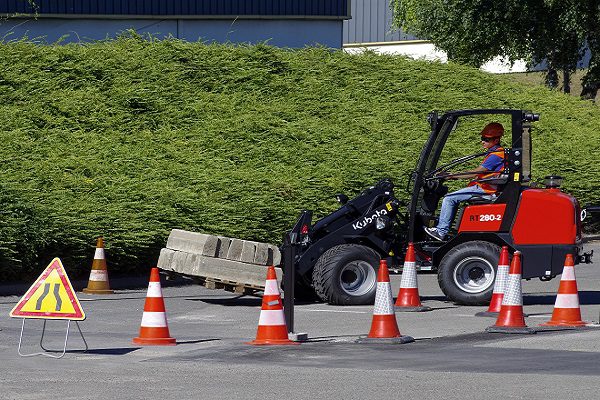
(382, 223)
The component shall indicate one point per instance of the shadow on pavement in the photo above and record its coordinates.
(197, 341)
(119, 351)
(586, 297)
(237, 301)
(442, 308)
(443, 299)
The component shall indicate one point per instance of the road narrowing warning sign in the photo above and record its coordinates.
(50, 297)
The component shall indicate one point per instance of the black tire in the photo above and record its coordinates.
(466, 273)
(347, 275)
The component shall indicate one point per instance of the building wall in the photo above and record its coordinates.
(283, 23)
(282, 33)
(372, 23)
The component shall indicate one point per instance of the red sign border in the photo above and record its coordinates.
(55, 265)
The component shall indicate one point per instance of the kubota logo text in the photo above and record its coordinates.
(367, 220)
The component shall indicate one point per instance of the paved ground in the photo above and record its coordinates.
(451, 359)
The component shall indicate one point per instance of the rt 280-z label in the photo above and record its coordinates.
(482, 218)
(485, 217)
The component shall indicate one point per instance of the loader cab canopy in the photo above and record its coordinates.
(452, 147)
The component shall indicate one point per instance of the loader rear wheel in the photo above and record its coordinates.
(347, 275)
(466, 273)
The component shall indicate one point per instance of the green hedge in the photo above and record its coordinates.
(131, 138)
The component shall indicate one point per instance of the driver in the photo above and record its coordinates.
(491, 165)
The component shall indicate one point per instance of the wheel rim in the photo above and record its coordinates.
(357, 278)
(474, 274)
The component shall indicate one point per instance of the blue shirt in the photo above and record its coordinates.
(492, 162)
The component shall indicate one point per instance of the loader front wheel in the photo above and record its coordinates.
(347, 275)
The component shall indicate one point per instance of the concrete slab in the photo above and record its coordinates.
(236, 247)
(248, 252)
(216, 268)
(218, 258)
(190, 242)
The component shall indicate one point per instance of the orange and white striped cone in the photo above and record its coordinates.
(271, 323)
(566, 308)
(408, 299)
(499, 286)
(98, 282)
(154, 329)
(511, 318)
(384, 327)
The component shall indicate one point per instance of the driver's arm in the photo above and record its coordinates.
(472, 173)
(464, 175)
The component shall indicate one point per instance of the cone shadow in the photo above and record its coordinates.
(586, 297)
(443, 308)
(434, 298)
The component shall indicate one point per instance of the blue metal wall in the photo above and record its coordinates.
(277, 32)
(372, 22)
(322, 8)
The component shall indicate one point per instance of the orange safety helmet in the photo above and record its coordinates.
(493, 130)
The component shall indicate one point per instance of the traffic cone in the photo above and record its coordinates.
(154, 329)
(271, 323)
(384, 327)
(499, 286)
(566, 308)
(408, 296)
(98, 282)
(511, 318)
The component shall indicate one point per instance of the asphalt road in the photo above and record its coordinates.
(452, 358)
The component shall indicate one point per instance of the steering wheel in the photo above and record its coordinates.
(442, 171)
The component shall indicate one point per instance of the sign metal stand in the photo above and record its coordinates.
(46, 351)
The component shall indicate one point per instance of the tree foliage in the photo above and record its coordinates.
(557, 32)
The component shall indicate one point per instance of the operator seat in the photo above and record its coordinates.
(500, 181)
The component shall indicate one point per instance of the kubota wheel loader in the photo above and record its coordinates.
(338, 255)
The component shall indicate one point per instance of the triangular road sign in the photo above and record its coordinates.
(50, 297)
